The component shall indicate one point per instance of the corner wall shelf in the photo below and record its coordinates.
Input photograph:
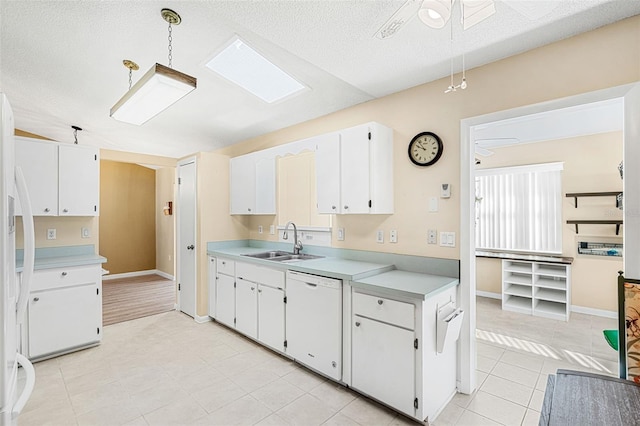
(576, 195)
(617, 223)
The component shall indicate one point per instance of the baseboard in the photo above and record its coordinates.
(137, 274)
(175, 307)
(594, 312)
(202, 319)
(489, 294)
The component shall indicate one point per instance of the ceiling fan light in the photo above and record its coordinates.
(435, 13)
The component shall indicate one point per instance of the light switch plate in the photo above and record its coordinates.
(86, 232)
(393, 236)
(259, 229)
(447, 239)
(380, 236)
(340, 234)
(272, 229)
(432, 236)
(433, 204)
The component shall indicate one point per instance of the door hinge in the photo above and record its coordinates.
(234, 284)
(369, 135)
(95, 208)
(234, 321)
(415, 343)
(178, 286)
(179, 181)
(95, 157)
(97, 291)
(285, 343)
(98, 330)
(369, 203)
(285, 299)
(415, 403)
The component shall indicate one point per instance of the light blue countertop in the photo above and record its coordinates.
(377, 276)
(62, 257)
(410, 284)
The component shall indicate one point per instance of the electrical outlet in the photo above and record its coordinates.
(393, 236)
(380, 236)
(272, 229)
(340, 234)
(51, 234)
(86, 233)
(432, 236)
(259, 229)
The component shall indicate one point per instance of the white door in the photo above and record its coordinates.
(328, 173)
(631, 183)
(383, 362)
(354, 169)
(247, 307)
(271, 316)
(187, 237)
(242, 185)
(265, 186)
(39, 163)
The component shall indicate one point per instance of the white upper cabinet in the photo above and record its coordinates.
(79, 181)
(39, 163)
(355, 170)
(252, 185)
(63, 180)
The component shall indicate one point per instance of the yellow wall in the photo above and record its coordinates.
(165, 224)
(127, 217)
(590, 165)
(554, 71)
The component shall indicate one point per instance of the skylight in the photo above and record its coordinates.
(242, 65)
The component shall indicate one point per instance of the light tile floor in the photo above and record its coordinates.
(166, 370)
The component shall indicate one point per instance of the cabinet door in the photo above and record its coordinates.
(328, 173)
(225, 300)
(242, 181)
(247, 308)
(271, 317)
(63, 319)
(265, 186)
(383, 362)
(79, 181)
(39, 163)
(354, 170)
(211, 278)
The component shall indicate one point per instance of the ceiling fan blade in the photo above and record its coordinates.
(403, 15)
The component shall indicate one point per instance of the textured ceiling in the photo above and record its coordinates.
(61, 61)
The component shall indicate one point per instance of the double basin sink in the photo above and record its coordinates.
(282, 256)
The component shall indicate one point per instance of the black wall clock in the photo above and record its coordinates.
(425, 149)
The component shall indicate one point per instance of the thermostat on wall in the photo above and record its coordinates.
(445, 190)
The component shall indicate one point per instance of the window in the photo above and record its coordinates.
(520, 208)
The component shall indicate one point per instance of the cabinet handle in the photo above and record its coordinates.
(64, 274)
(65, 211)
(333, 207)
(346, 207)
(191, 247)
(249, 209)
(253, 288)
(47, 210)
(259, 291)
(357, 324)
(35, 299)
(224, 263)
(379, 301)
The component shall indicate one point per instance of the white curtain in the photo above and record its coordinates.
(520, 208)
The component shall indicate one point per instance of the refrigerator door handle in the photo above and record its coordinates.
(29, 244)
(30, 374)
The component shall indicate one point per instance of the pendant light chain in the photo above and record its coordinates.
(170, 48)
(130, 74)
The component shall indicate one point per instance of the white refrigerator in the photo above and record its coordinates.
(13, 294)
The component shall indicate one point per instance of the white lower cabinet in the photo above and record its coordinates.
(247, 308)
(271, 326)
(225, 300)
(383, 362)
(64, 311)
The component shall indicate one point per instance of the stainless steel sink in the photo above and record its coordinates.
(282, 256)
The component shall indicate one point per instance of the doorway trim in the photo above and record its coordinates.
(467, 348)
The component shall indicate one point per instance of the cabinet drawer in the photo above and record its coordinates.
(226, 266)
(385, 310)
(48, 279)
(260, 274)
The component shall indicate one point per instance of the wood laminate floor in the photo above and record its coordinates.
(124, 299)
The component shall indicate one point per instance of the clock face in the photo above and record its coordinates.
(425, 149)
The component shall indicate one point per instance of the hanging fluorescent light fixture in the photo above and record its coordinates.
(158, 89)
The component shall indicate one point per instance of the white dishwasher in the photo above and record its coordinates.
(314, 322)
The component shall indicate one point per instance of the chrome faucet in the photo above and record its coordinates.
(297, 245)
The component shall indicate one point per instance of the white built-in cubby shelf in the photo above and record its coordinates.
(537, 288)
